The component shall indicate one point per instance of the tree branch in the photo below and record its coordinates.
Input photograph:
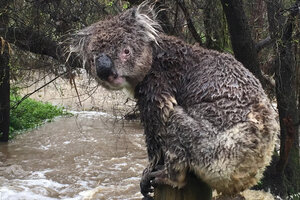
(294, 10)
(31, 93)
(189, 22)
(39, 43)
(264, 43)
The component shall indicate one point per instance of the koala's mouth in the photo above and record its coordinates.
(116, 82)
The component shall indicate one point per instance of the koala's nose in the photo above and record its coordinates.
(104, 66)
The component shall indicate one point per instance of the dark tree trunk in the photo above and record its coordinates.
(214, 24)
(241, 40)
(283, 175)
(286, 93)
(4, 77)
(189, 21)
(4, 93)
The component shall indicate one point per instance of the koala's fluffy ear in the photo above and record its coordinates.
(145, 17)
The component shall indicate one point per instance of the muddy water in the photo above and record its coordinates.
(91, 155)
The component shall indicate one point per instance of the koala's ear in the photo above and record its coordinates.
(148, 9)
(78, 44)
(145, 17)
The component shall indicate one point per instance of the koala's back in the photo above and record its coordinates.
(222, 127)
(220, 90)
(215, 85)
(239, 123)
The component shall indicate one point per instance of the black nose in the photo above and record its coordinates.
(104, 66)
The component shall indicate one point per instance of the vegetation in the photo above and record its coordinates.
(30, 114)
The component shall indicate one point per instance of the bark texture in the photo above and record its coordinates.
(241, 40)
(283, 177)
(4, 92)
(214, 24)
(4, 77)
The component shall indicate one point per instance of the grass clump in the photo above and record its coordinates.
(30, 114)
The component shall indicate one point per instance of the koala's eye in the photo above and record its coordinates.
(126, 51)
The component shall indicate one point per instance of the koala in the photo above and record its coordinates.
(202, 110)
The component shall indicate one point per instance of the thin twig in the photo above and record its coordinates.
(29, 94)
(72, 79)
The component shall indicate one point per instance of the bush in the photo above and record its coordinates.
(30, 114)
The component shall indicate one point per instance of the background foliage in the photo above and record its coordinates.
(30, 114)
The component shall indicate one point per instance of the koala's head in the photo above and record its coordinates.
(119, 50)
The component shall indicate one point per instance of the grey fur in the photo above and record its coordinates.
(202, 110)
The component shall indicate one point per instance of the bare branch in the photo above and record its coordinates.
(264, 43)
(189, 22)
(72, 81)
(38, 43)
(31, 93)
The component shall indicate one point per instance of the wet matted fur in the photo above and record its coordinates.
(202, 110)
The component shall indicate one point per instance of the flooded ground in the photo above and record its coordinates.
(91, 155)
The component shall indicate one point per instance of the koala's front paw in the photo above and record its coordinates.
(146, 186)
(151, 180)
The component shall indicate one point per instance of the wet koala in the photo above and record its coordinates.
(203, 112)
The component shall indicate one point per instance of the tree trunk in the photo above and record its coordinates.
(4, 92)
(283, 176)
(189, 21)
(4, 76)
(194, 190)
(214, 24)
(241, 40)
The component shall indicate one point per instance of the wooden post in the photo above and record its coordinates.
(194, 190)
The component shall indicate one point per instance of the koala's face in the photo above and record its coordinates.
(119, 58)
(119, 50)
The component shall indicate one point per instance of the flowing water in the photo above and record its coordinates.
(90, 155)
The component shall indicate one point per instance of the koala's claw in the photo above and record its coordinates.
(146, 186)
(151, 180)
